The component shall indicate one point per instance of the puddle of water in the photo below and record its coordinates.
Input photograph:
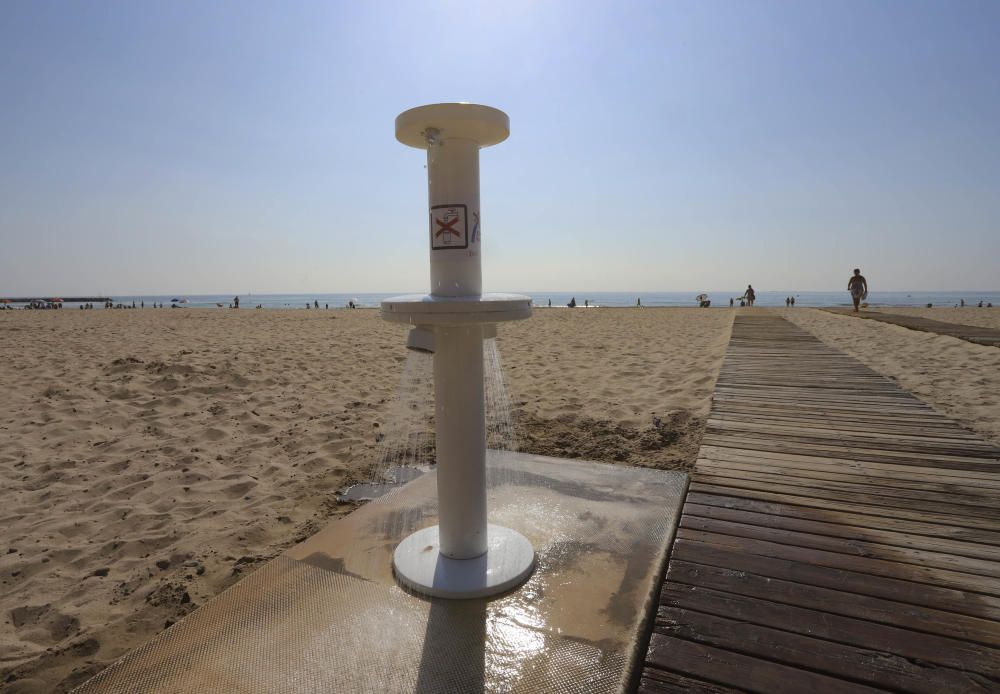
(393, 477)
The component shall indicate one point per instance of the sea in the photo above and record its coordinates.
(719, 299)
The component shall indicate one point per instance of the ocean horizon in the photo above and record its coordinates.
(541, 299)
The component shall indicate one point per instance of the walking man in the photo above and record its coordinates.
(858, 287)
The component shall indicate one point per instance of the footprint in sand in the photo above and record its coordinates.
(214, 434)
(42, 624)
(237, 490)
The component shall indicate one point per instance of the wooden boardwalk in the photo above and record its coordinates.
(838, 535)
(969, 333)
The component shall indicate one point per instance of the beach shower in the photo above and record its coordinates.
(463, 556)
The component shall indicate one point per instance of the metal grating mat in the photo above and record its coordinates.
(327, 615)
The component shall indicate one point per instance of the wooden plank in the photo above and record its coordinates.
(918, 437)
(912, 480)
(764, 445)
(911, 471)
(656, 681)
(834, 527)
(796, 421)
(839, 514)
(987, 588)
(751, 438)
(882, 668)
(980, 504)
(843, 545)
(883, 611)
(895, 647)
(732, 669)
(848, 397)
(870, 504)
(827, 412)
(937, 597)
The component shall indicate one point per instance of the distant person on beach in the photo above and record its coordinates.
(730, 302)
(236, 301)
(638, 302)
(858, 287)
(586, 302)
(550, 303)
(572, 302)
(793, 301)
(750, 295)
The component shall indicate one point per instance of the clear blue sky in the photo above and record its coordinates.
(233, 147)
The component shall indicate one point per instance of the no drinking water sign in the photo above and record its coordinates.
(449, 227)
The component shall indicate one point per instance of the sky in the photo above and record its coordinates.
(232, 147)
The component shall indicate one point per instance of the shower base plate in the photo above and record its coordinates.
(329, 615)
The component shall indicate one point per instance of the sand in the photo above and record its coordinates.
(151, 458)
(958, 378)
(617, 385)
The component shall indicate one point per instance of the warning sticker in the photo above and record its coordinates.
(449, 227)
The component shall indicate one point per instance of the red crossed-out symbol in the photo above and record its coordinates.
(447, 228)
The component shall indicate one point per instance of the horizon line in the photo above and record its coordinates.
(532, 291)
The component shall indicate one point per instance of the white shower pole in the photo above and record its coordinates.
(461, 440)
(469, 558)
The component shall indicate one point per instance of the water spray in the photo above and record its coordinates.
(463, 556)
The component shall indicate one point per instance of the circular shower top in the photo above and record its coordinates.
(427, 309)
(483, 124)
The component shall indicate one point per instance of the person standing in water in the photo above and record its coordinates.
(858, 287)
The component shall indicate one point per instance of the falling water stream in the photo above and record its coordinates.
(500, 432)
(406, 446)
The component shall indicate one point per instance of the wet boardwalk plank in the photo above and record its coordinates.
(838, 535)
(969, 333)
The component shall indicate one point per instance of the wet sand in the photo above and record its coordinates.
(151, 458)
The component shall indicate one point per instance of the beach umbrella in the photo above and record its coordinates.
(701, 297)
(56, 301)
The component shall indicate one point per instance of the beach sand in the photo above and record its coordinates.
(151, 458)
(957, 378)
